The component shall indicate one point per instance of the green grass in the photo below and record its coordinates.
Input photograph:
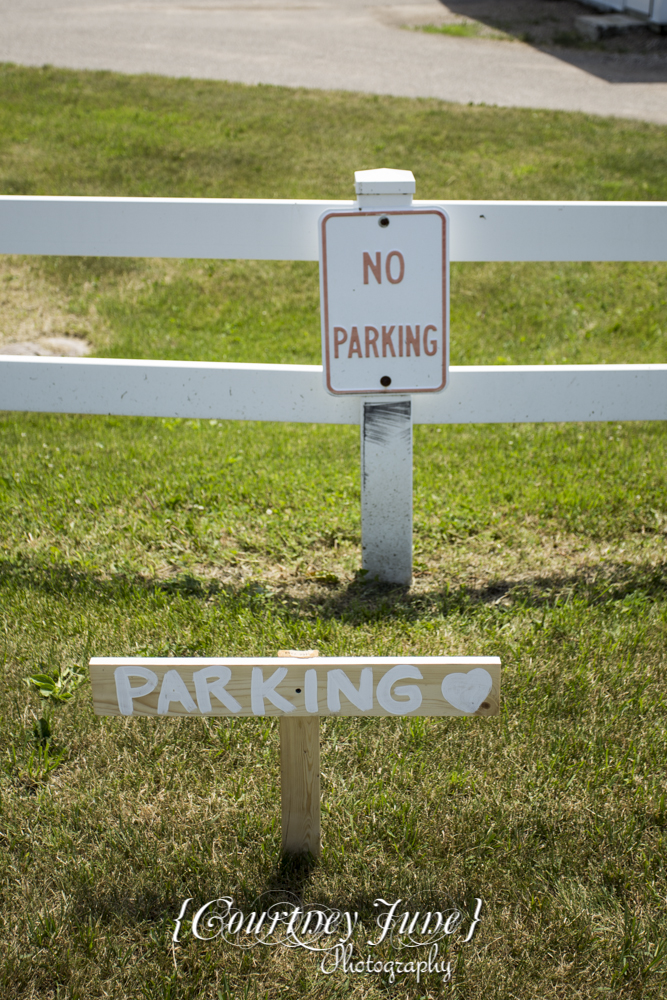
(466, 29)
(87, 134)
(542, 544)
(471, 30)
(500, 314)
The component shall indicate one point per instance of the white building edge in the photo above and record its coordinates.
(655, 11)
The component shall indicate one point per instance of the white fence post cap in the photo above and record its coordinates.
(384, 187)
(384, 181)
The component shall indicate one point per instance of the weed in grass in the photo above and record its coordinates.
(42, 731)
(38, 761)
(58, 685)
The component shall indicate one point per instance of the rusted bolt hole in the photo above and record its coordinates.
(383, 221)
(385, 381)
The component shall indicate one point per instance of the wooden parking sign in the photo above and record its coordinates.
(298, 686)
(384, 286)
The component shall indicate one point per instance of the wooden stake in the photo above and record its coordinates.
(300, 784)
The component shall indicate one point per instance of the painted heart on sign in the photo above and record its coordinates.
(467, 691)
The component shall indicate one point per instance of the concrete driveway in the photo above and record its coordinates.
(330, 44)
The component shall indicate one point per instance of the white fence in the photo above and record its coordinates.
(490, 394)
(287, 230)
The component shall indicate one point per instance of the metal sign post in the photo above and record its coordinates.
(384, 289)
(386, 489)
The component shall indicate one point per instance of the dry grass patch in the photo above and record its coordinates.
(33, 311)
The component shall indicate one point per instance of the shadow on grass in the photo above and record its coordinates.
(355, 603)
(131, 906)
(288, 883)
(292, 873)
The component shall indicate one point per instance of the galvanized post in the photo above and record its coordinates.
(386, 488)
(386, 433)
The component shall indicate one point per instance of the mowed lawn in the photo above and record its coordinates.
(544, 545)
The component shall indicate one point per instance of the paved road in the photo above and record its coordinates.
(332, 44)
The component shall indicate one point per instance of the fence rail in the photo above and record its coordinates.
(490, 394)
(287, 230)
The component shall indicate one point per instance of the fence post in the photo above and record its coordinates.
(386, 489)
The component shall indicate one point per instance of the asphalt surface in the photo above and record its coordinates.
(327, 44)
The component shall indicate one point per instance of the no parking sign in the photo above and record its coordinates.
(384, 284)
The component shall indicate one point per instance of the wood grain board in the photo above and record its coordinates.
(300, 784)
(293, 687)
